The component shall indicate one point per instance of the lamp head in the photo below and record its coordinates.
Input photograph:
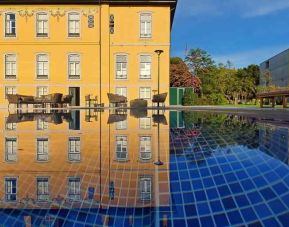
(159, 52)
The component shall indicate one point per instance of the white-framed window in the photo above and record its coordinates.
(10, 149)
(42, 149)
(145, 188)
(121, 125)
(10, 90)
(10, 126)
(10, 25)
(74, 188)
(145, 66)
(41, 90)
(10, 66)
(42, 189)
(11, 189)
(145, 93)
(74, 66)
(145, 147)
(42, 124)
(42, 24)
(74, 24)
(121, 66)
(145, 123)
(145, 25)
(74, 149)
(121, 91)
(121, 148)
(42, 66)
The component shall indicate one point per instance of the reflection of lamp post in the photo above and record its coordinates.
(159, 52)
(158, 162)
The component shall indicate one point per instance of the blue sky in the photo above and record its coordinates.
(243, 31)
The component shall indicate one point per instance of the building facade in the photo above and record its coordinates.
(275, 71)
(84, 47)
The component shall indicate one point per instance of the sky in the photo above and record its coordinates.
(242, 31)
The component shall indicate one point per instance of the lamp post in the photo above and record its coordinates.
(159, 52)
(159, 162)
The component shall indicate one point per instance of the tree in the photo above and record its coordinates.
(180, 76)
(198, 61)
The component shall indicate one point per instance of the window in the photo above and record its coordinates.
(74, 66)
(74, 149)
(145, 92)
(42, 149)
(11, 189)
(146, 25)
(145, 148)
(10, 149)
(42, 189)
(121, 148)
(145, 66)
(43, 90)
(42, 124)
(73, 25)
(121, 91)
(10, 126)
(145, 123)
(10, 66)
(10, 25)
(10, 90)
(145, 184)
(74, 188)
(267, 64)
(42, 25)
(121, 125)
(42, 66)
(121, 66)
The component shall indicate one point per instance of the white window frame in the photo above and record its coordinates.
(121, 74)
(41, 90)
(70, 33)
(145, 148)
(12, 64)
(10, 34)
(121, 125)
(144, 125)
(143, 93)
(74, 188)
(147, 25)
(42, 185)
(74, 149)
(42, 148)
(42, 63)
(41, 124)
(122, 143)
(146, 192)
(73, 63)
(10, 126)
(11, 149)
(121, 91)
(40, 32)
(9, 189)
(143, 63)
(10, 90)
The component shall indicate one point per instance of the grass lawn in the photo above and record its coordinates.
(250, 106)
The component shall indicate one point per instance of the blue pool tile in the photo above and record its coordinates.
(212, 193)
(221, 220)
(203, 208)
(186, 186)
(260, 181)
(241, 175)
(247, 184)
(271, 222)
(235, 217)
(267, 193)
(224, 191)
(188, 197)
(235, 188)
(190, 210)
(262, 211)
(197, 184)
(284, 219)
(230, 177)
(193, 222)
(207, 221)
(280, 188)
(179, 222)
(229, 203)
(249, 214)
(277, 206)
(200, 196)
(216, 206)
(208, 182)
(215, 170)
(242, 201)
(219, 180)
(254, 197)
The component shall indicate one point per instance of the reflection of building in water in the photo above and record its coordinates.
(45, 165)
(274, 141)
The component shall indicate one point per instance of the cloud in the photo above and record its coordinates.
(245, 58)
(243, 8)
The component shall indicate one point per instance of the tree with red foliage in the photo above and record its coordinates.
(180, 75)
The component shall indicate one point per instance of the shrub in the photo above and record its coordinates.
(217, 99)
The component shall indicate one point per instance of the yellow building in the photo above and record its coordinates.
(83, 47)
(82, 162)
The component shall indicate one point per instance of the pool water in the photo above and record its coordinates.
(143, 168)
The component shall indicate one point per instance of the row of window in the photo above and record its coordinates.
(74, 189)
(73, 23)
(74, 149)
(74, 66)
